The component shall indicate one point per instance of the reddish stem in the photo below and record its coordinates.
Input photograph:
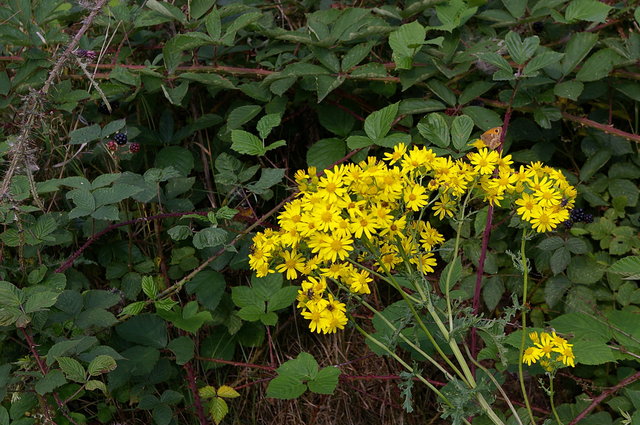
(596, 401)
(197, 403)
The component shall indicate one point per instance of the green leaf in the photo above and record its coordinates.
(587, 10)
(326, 84)
(474, 90)
(592, 352)
(268, 177)
(85, 134)
(578, 47)
(325, 152)
(594, 163)
(40, 301)
(180, 232)
(94, 384)
(521, 51)
(283, 298)
(242, 115)
(442, 91)
(628, 266)
(183, 348)
(559, 260)
(542, 60)
(10, 295)
(114, 194)
(266, 124)
(496, 60)
(569, 89)
(218, 409)
(246, 143)
(145, 329)
(515, 7)
(107, 131)
(326, 381)
(355, 55)
(149, 286)
(405, 42)
(482, 117)
(326, 58)
(166, 9)
(52, 380)
(209, 238)
(555, 289)
(133, 308)
(200, 7)
(492, 292)
(179, 158)
(101, 364)
(598, 66)
(435, 130)
(285, 387)
(72, 369)
(584, 270)
(175, 95)
(212, 22)
(172, 50)
(461, 129)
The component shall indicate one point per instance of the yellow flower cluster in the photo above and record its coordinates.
(544, 345)
(372, 214)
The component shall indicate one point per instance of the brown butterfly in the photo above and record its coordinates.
(491, 137)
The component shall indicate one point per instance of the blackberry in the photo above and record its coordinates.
(578, 215)
(568, 224)
(112, 146)
(102, 108)
(538, 27)
(134, 147)
(120, 139)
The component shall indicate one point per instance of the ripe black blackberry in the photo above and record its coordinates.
(102, 108)
(120, 138)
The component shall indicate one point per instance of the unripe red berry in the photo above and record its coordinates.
(134, 147)
(112, 146)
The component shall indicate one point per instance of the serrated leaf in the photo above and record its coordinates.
(94, 384)
(209, 237)
(218, 409)
(85, 134)
(111, 128)
(578, 47)
(435, 130)
(213, 25)
(587, 10)
(52, 380)
(149, 287)
(378, 124)
(521, 50)
(542, 60)
(101, 364)
(207, 392)
(72, 369)
(227, 392)
(242, 115)
(598, 66)
(568, 89)
(180, 232)
(405, 43)
(325, 381)
(172, 50)
(246, 143)
(628, 266)
(266, 124)
(461, 129)
(184, 349)
(40, 301)
(133, 308)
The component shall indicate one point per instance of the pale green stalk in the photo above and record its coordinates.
(553, 405)
(525, 275)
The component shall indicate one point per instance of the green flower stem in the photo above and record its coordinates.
(404, 338)
(456, 248)
(402, 362)
(551, 396)
(497, 385)
(525, 277)
(426, 331)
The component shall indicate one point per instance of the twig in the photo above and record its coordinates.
(605, 394)
(197, 402)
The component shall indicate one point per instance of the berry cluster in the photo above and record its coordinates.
(120, 138)
(578, 215)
